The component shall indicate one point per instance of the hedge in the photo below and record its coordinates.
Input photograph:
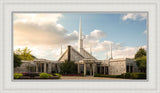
(134, 75)
(125, 75)
(111, 76)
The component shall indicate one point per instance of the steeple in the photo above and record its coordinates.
(111, 52)
(80, 32)
(91, 49)
(80, 40)
(106, 54)
(61, 49)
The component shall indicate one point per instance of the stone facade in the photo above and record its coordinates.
(117, 66)
(23, 68)
(87, 65)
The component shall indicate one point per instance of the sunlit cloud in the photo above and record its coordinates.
(135, 16)
(44, 36)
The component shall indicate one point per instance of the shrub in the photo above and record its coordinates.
(72, 75)
(56, 74)
(141, 75)
(134, 75)
(111, 76)
(68, 67)
(45, 75)
(17, 75)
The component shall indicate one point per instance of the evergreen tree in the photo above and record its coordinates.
(68, 67)
(17, 60)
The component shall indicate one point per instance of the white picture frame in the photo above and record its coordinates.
(151, 85)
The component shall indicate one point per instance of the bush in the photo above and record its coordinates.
(17, 75)
(72, 75)
(68, 67)
(111, 76)
(134, 75)
(45, 75)
(56, 74)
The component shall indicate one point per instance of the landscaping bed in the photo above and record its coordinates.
(111, 76)
(134, 75)
(125, 76)
(72, 74)
(36, 76)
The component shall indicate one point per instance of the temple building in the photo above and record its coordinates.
(86, 62)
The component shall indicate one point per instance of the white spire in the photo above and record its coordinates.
(91, 49)
(61, 49)
(80, 40)
(111, 52)
(80, 32)
(106, 54)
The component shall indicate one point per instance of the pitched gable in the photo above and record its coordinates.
(71, 55)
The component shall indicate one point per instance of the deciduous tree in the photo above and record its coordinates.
(140, 57)
(25, 54)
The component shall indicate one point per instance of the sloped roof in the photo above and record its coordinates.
(89, 55)
(73, 54)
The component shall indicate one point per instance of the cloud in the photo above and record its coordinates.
(40, 18)
(135, 16)
(93, 38)
(97, 34)
(41, 31)
(44, 36)
(127, 52)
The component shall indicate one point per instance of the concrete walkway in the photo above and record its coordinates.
(88, 77)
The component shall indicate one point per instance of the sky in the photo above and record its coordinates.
(45, 33)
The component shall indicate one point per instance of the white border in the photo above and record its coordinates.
(150, 6)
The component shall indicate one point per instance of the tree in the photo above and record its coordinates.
(17, 60)
(141, 52)
(141, 63)
(25, 54)
(140, 57)
(68, 67)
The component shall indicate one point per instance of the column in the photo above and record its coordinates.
(93, 66)
(59, 70)
(78, 68)
(84, 69)
(28, 68)
(36, 67)
(133, 68)
(104, 70)
(49, 67)
(90, 69)
(40, 67)
(129, 67)
(44, 67)
(100, 69)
